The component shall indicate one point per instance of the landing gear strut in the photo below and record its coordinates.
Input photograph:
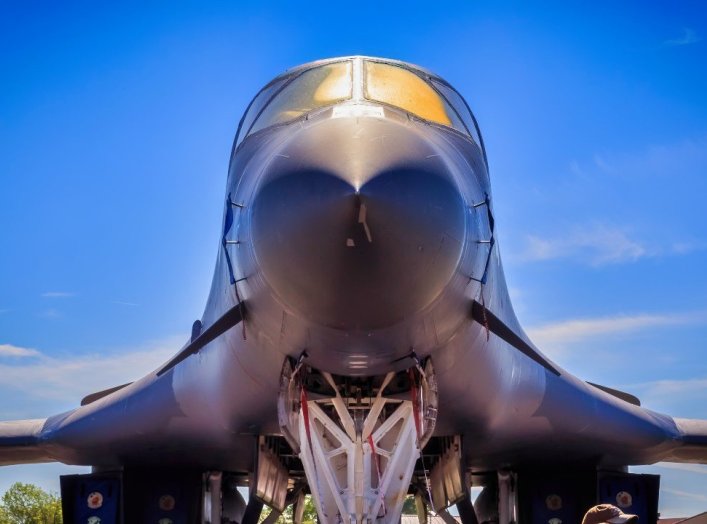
(360, 440)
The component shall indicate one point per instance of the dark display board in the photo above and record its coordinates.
(91, 499)
(632, 493)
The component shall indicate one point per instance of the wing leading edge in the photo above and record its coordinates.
(693, 435)
(20, 442)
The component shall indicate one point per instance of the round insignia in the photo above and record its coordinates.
(554, 520)
(93, 520)
(94, 500)
(553, 502)
(165, 521)
(166, 503)
(624, 499)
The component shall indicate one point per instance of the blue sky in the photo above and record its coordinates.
(116, 125)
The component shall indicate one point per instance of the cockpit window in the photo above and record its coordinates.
(399, 87)
(299, 92)
(317, 87)
(457, 102)
(256, 106)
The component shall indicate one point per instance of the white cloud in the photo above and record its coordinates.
(576, 330)
(700, 469)
(678, 397)
(675, 160)
(678, 485)
(602, 164)
(599, 245)
(688, 37)
(607, 194)
(8, 350)
(682, 397)
(70, 379)
(58, 294)
(686, 494)
(575, 169)
(596, 245)
(122, 303)
(557, 339)
(663, 388)
(685, 248)
(50, 313)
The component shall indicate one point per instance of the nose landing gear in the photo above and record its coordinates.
(358, 439)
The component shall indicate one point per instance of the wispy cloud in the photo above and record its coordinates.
(678, 485)
(50, 313)
(8, 350)
(672, 387)
(606, 196)
(680, 397)
(69, 379)
(596, 245)
(677, 161)
(700, 469)
(575, 169)
(673, 159)
(602, 164)
(686, 494)
(684, 248)
(576, 330)
(688, 37)
(122, 303)
(599, 245)
(58, 294)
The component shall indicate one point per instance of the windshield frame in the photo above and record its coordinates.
(358, 95)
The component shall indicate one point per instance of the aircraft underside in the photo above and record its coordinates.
(359, 446)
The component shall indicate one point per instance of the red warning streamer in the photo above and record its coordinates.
(305, 414)
(415, 392)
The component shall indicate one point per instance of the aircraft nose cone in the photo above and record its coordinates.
(357, 245)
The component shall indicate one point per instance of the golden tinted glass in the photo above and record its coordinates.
(318, 87)
(456, 101)
(399, 87)
(260, 101)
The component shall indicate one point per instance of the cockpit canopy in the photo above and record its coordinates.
(321, 84)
